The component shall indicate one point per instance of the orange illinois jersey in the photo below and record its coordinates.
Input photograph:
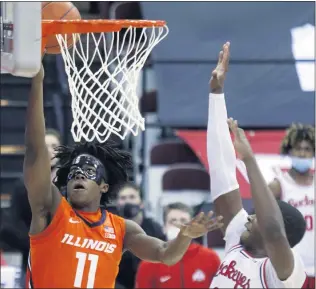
(76, 250)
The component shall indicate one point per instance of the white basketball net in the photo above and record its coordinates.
(103, 70)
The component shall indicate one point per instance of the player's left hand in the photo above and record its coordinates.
(200, 225)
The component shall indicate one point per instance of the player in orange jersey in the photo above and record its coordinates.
(75, 242)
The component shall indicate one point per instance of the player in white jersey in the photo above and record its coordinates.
(297, 188)
(258, 250)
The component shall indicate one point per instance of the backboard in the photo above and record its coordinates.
(21, 30)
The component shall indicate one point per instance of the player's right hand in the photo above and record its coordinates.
(241, 143)
(201, 225)
(219, 73)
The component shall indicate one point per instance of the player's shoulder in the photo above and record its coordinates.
(115, 219)
(114, 226)
(64, 205)
(114, 216)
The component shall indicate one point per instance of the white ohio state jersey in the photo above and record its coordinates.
(240, 270)
(302, 198)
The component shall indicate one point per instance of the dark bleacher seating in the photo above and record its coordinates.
(143, 143)
(11, 163)
(11, 158)
(162, 155)
(187, 183)
(171, 152)
(14, 95)
(148, 102)
(186, 177)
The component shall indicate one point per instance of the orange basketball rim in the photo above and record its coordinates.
(51, 27)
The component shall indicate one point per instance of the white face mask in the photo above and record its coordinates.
(172, 233)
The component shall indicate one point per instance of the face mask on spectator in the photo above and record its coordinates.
(172, 233)
(129, 211)
(302, 165)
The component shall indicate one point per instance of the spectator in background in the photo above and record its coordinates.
(53, 140)
(297, 188)
(195, 270)
(15, 228)
(130, 206)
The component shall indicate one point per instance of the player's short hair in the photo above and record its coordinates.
(294, 223)
(176, 206)
(115, 161)
(55, 133)
(297, 132)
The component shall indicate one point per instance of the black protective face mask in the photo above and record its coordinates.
(80, 166)
(129, 211)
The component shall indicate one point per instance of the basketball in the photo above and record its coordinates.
(58, 11)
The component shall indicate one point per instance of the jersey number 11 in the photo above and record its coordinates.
(82, 257)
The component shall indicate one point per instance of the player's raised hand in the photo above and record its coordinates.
(241, 142)
(200, 225)
(219, 73)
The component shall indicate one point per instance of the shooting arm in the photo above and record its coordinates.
(36, 168)
(152, 249)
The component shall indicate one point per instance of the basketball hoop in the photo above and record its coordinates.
(104, 99)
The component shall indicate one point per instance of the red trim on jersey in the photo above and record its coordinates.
(264, 269)
(3, 262)
(305, 285)
(233, 248)
(309, 283)
(248, 254)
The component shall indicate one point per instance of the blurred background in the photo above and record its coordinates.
(270, 85)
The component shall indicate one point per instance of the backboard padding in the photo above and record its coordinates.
(21, 32)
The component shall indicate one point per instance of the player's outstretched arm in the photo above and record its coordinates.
(154, 250)
(269, 217)
(37, 170)
(220, 150)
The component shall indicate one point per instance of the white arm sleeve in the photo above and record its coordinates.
(220, 150)
(235, 229)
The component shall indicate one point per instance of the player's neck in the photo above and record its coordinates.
(92, 208)
(255, 252)
(301, 179)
